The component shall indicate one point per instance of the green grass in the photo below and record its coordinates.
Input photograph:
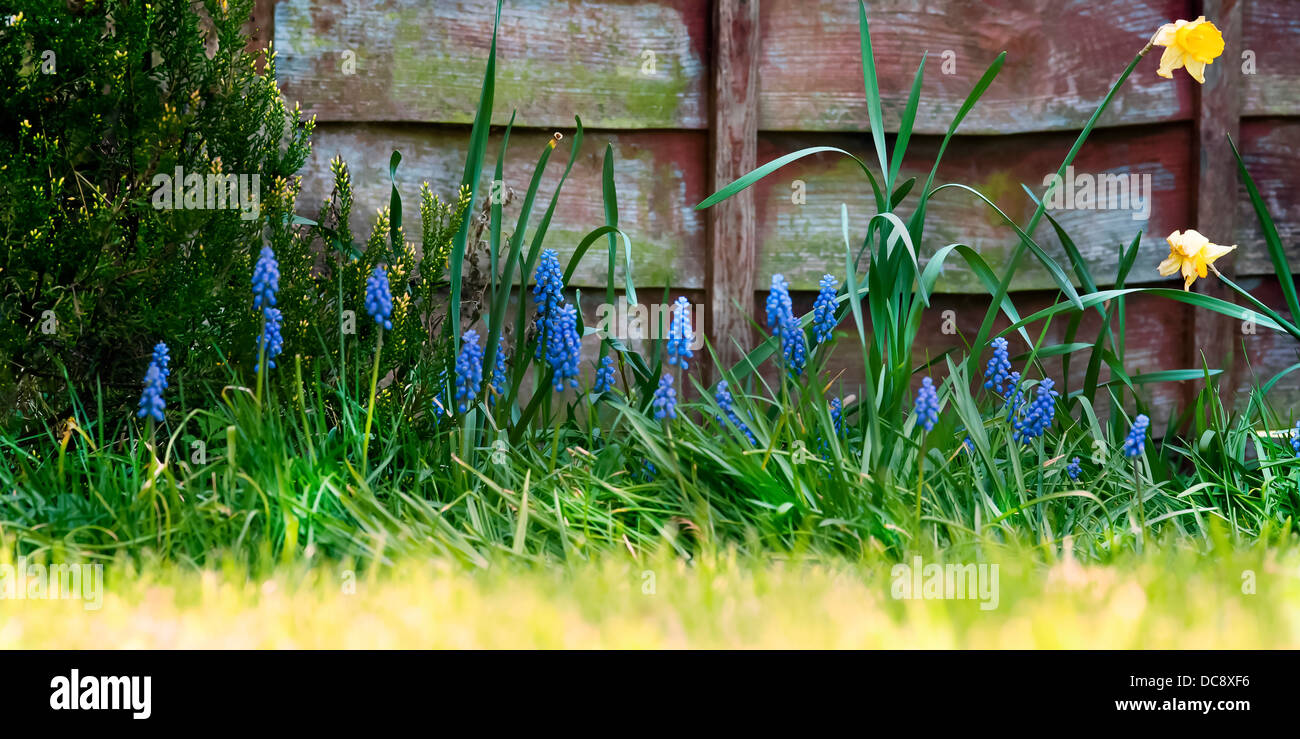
(1172, 600)
(550, 500)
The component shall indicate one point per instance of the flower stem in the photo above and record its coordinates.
(261, 360)
(920, 480)
(370, 413)
(1137, 499)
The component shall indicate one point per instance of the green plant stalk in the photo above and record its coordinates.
(370, 411)
(555, 439)
(1141, 506)
(920, 481)
(1041, 208)
(302, 406)
(261, 361)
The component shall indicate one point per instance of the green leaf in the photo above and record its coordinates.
(905, 131)
(759, 173)
(875, 117)
(1053, 269)
(1276, 252)
(473, 168)
(394, 209)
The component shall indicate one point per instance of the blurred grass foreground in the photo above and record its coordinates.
(1167, 600)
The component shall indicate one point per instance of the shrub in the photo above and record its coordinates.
(102, 103)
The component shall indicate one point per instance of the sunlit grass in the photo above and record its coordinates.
(1163, 601)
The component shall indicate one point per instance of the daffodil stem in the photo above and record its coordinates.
(370, 412)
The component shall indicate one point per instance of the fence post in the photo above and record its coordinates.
(1218, 115)
(733, 134)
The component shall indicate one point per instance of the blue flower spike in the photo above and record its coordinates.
(266, 279)
(727, 403)
(998, 370)
(271, 343)
(1135, 442)
(1073, 469)
(379, 301)
(155, 382)
(499, 371)
(927, 405)
(665, 399)
(782, 323)
(680, 334)
(605, 381)
(1038, 414)
(469, 370)
(548, 294)
(824, 309)
(563, 346)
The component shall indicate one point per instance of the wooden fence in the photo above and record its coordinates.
(692, 93)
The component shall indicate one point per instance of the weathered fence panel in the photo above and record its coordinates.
(667, 83)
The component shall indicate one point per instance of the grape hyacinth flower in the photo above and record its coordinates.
(726, 402)
(927, 405)
(266, 279)
(379, 301)
(499, 371)
(162, 358)
(824, 309)
(1038, 414)
(563, 346)
(680, 334)
(155, 382)
(1073, 469)
(271, 343)
(604, 375)
(1137, 436)
(548, 294)
(782, 323)
(996, 373)
(1295, 439)
(469, 370)
(1014, 395)
(837, 411)
(665, 399)
(266, 283)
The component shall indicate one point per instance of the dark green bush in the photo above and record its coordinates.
(98, 99)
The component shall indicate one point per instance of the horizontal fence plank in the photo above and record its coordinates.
(1271, 149)
(615, 64)
(1267, 58)
(659, 176)
(1062, 58)
(804, 241)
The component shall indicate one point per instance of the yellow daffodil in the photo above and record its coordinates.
(1193, 255)
(1191, 44)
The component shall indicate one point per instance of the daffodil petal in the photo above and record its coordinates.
(1164, 36)
(1170, 60)
(1214, 251)
(1195, 69)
